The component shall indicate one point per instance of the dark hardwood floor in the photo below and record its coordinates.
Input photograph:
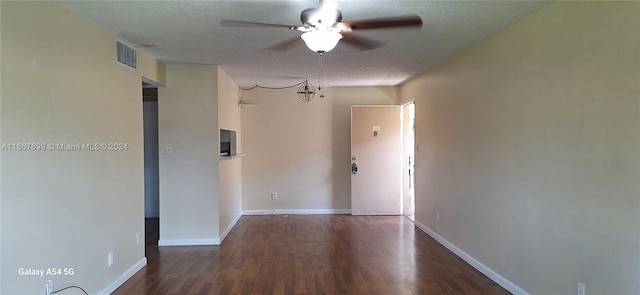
(312, 254)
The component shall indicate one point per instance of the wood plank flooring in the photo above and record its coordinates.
(312, 254)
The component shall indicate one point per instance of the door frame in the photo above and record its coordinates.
(408, 191)
(400, 155)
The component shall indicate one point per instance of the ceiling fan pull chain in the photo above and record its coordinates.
(320, 67)
(320, 83)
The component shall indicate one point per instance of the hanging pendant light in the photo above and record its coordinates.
(306, 92)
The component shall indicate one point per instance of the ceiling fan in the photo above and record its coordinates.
(323, 27)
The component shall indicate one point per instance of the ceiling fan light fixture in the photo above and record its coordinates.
(321, 41)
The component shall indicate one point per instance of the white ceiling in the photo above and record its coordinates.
(190, 32)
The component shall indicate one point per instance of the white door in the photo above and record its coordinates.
(376, 178)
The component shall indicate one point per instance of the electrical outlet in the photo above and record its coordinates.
(274, 196)
(49, 287)
(437, 216)
(137, 238)
(582, 289)
(110, 259)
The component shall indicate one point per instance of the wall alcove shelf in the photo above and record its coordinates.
(232, 157)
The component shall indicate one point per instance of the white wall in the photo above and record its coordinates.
(529, 149)
(230, 170)
(68, 209)
(300, 150)
(189, 175)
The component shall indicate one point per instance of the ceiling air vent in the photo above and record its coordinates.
(127, 55)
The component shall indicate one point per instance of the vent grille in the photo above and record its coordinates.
(127, 55)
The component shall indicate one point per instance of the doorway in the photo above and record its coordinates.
(376, 161)
(151, 165)
(408, 159)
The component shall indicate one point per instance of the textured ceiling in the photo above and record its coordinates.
(190, 32)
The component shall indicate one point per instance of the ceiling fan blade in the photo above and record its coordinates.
(285, 45)
(385, 23)
(361, 42)
(239, 23)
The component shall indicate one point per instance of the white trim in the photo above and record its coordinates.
(152, 84)
(189, 242)
(124, 277)
(230, 227)
(297, 211)
(494, 276)
(198, 242)
(218, 241)
(408, 102)
(232, 157)
(374, 105)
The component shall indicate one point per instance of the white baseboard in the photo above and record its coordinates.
(494, 276)
(230, 227)
(296, 211)
(124, 277)
(189, 242)
(216, 242)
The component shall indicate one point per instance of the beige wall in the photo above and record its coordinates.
(67, 209)
(151, 68)
(200, 196)
(230, 170)
(529, 149)
(300, 150)
(188, 124)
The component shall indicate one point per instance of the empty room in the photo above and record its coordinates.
(319, 147)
